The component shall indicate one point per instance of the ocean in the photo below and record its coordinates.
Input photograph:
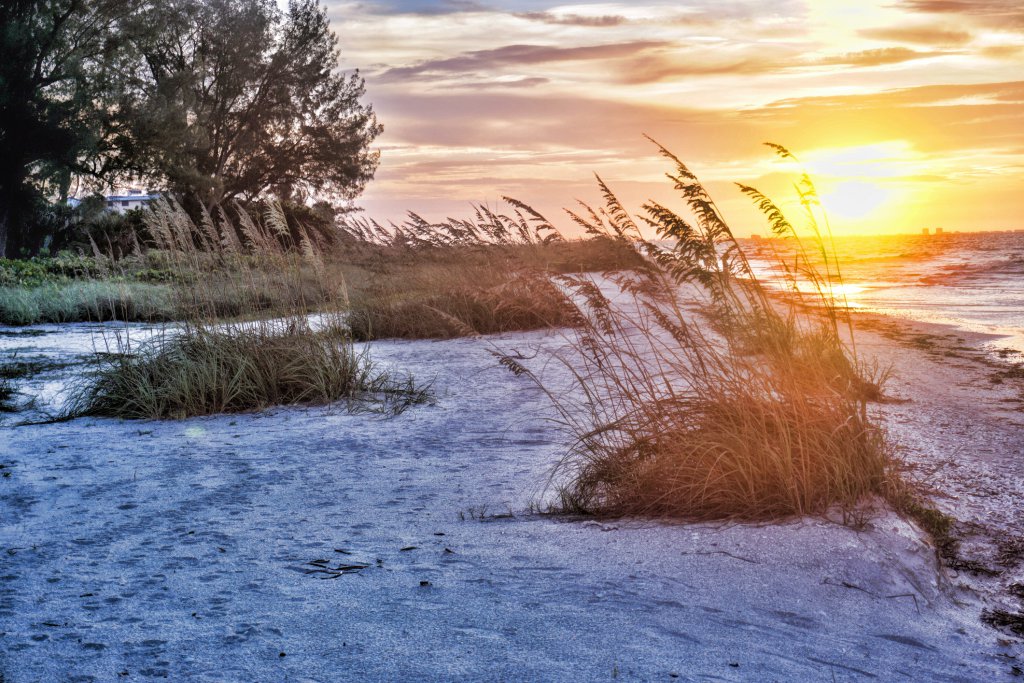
(974, 281)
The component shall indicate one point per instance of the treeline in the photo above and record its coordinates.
(213, 101)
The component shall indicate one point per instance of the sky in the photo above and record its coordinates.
(907, 113)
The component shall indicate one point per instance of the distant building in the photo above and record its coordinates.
(924, 231)
(938, 231)
(133, 198)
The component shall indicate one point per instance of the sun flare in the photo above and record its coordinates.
(855, 199)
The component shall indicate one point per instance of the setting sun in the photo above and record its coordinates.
(855, 199)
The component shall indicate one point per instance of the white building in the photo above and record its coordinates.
(132, 198)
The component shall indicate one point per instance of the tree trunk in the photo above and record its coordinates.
(5, 219)
(15, 206)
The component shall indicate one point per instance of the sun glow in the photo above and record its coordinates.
(860, 183)
(855, 199)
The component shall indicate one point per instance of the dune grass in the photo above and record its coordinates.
(237, 360)
(411, 280)
(7, 392)
(443, 300)
(487, 275)
(239, 368)
(416, 280)
(698, 393)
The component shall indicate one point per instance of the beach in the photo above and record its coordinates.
(311, 544)
(449, 340)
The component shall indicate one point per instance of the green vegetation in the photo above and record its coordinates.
(74, 288)
(236, 360)
(413, 282)
(212, 100)
(421, 280)
(42, 270)
(89, 300)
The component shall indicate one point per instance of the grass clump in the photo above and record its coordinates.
(418, 302)
(740, 453)
(701, 394)
(456, 278)
(7, 393)
(202, 371)
(236, 361)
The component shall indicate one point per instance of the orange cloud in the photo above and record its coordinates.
(527, 99)
(998, 12)
(877, 57)
(940, 36)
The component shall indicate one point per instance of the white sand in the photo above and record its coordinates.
(134, 550)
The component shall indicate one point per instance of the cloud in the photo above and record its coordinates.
(427, 7)
(1002, 51)
(574, 19)
(526, 82)
(1010, 92)
(660, 67)
(920, 35)
(992, 12)
(519, 55)
(876, 57)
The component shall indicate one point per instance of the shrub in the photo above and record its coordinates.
(482, 276)
(40, 270)
(422, 303)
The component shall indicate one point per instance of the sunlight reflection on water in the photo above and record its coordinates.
(974, 281)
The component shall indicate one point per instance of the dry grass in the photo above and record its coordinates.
(703, 396)
(425, 300)
(7, 392)
(416, 280)
(201, 371)
(456, 278)
(238, 360)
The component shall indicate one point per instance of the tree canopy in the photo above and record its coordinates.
(57, 58)
(239, 99)
(211, 99)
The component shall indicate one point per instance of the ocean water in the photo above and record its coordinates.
(974, 281)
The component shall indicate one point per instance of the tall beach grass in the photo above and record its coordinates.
(232, 357)
(699, 394)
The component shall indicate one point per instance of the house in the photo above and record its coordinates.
(133, 198)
